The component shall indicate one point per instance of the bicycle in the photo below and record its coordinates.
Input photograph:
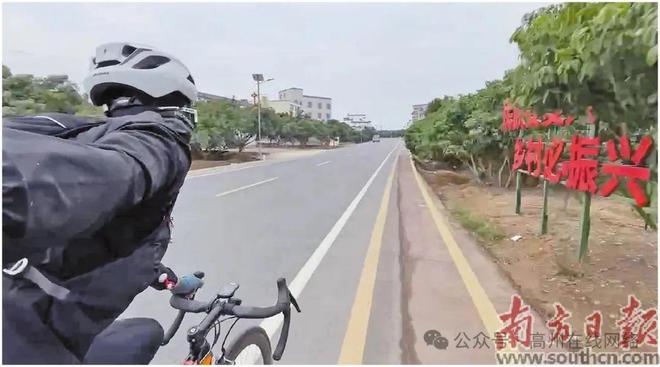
(137, 340)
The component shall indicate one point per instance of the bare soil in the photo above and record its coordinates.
(622, 258)
(223, 159)
(299, 146)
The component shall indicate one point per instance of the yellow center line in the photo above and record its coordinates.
(483, 304)
(352, 349)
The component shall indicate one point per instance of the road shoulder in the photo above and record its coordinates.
(449, 283)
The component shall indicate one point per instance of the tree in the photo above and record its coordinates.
(271, 124)
(288, 131)
(604, 55)
(242, 130)
(391, 133)
(322, 132)
(435, 105)
(304, 130)
(25, 94)
(339, 130)
(226, 125)
(6, 73)
(572, 56)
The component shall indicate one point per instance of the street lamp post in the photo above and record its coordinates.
(259, 78)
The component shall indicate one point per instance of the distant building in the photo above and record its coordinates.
(419, 111)
(315, 107)
(357, 121)
(205, 97)
(279, 106)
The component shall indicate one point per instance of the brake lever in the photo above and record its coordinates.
(293, 300)
(286, 313)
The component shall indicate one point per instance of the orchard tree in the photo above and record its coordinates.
(604, 55)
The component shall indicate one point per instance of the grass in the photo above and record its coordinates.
(480, 226)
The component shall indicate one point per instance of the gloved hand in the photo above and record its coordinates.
(165, 277)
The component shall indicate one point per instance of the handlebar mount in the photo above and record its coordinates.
(223, 304)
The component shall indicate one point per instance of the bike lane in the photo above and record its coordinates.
(447, 285)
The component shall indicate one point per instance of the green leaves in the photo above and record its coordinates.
(462, 128)
(572, 55)
(595, 54)
(222, 125)
(652, 56)
(25, 94)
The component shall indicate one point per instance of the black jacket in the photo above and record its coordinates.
(89, 205)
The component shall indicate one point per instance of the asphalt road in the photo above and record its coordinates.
(309, 220)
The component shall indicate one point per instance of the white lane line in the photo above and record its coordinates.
(305, 273)
(221, 171)
(214, 171)
(323, 163)
(246, 187)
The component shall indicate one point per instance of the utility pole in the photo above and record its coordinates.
(259, 78)
(261, 156)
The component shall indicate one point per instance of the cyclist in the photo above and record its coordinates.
(86, 206)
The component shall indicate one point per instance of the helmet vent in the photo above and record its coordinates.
(103, 64)
(151, 62)
(191, 79)
(127, 50)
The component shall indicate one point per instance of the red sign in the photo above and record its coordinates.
(582, 168)
(513, 118)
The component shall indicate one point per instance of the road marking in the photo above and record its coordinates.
(352, 349)
(299, 282)
(485, 309)
(213, 171)
(220, 170)
(246, 187)
(323, 163)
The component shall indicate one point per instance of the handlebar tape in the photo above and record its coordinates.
(187, 284)
(189, 305)
(173, 328)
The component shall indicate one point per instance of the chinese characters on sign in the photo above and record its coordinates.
(637, 327)
(582, 168)
(517, 119)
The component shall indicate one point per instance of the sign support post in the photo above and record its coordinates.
(582, 171)
(544, 212)
(518, 183)
(585, 220)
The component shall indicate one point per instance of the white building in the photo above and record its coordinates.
(279, 106)
(206, 97)
(358, 121)
(419, 111)
(317, 108)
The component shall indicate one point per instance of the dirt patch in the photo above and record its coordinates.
(216, 159)
(444, 177)
(300, 147)
(622, 258)
(201, 164)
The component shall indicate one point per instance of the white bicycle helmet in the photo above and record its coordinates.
(122, 65)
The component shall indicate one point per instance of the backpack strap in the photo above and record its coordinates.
(22, 270)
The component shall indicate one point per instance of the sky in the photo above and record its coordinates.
(376, 59)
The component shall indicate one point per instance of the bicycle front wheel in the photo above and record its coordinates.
(251, 347)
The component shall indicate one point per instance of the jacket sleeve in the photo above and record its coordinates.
(65, 188)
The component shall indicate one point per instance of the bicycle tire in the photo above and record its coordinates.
(253, 336)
